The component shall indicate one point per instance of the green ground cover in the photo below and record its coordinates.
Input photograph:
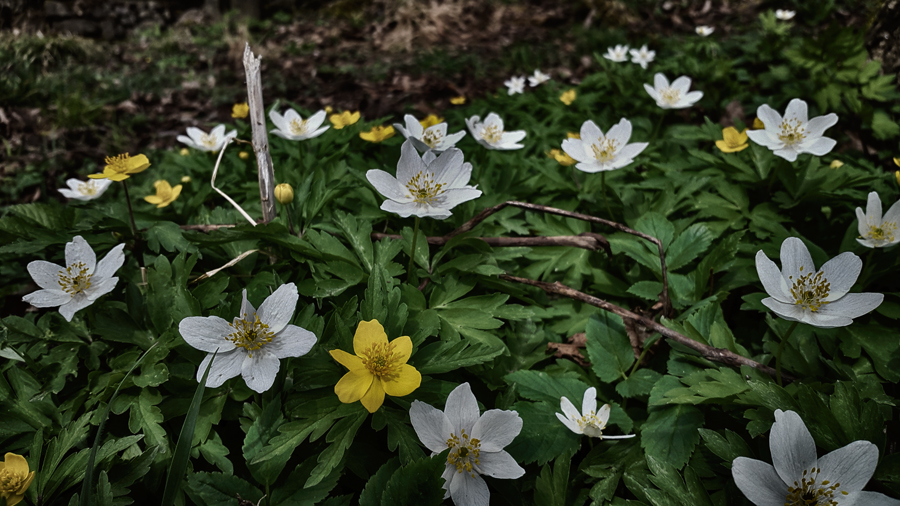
(104, 403)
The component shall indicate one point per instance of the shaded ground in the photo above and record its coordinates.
(69, 102)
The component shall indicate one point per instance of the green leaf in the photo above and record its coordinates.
(543, 436)
(552, 486)
(358, 233)
(168, 235)
(417, 484)
(217, 489)
(341, 436)
(639, 383)
(441, 357)
(670, 433)
(402, 435)
(293, 492)
(371, 495)
(883, 126)
(540, 386)
(727, 447)
(608, 347)
(689, 244)
(263, 429)
(146, 416)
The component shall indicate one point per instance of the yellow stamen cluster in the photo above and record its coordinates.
(76, 279)
(589, 420)
(423, 189)
(87, 188)
(208, 140)
(432, 138)
(670, 96)
(380, 360)
(792, 132)
(886, 232)
(605, 149)
(249, 334)
(464, 452)
(492, 134)
(807, 492)
(298, 127)
(810, 291)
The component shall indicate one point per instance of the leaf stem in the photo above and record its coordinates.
(412, 252)
(603, 191)
(138, 246)
(784, 339)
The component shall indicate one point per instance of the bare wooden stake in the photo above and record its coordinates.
(260, 136)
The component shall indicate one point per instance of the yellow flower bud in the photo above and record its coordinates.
(460, 100)
(243, 155)
(184, 152)
(568, 97)
(185, 179)
(897, 162)
(836, 164)
(573, 135)
(284, 193)
(328, 109)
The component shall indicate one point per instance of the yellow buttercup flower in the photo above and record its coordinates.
(568, 97)
(120, 168)
(165, 194)
(240, 110)
(378, 133)
(460, 100)
(562, 157)
(758, 124)
(733, 141)
(378, 367)
(343, 119)
(573, 135)
(431, 120)
(836, 164)
(14, 478)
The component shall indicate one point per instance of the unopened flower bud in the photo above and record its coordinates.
(284, 193)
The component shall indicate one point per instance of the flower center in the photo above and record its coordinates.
(810, 291)
(605, 149)
(208, 140)
(432, 138)
(808, 492)
(883, 233)
(670, 96)
(76, 279)
(464, 452)
(11, 482)
(87, 188)
(249, 334)
(423, 189)
(118, 163)
(492, 134)
(792, 132)
(379, 360)
(590, 425)
(298, 127)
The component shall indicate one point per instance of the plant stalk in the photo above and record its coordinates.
(412, 252)
(784, 339)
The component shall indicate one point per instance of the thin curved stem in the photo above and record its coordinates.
(412, 252)
(781, 349)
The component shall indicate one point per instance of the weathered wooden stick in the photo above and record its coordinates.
(260, 136)
(587, 240)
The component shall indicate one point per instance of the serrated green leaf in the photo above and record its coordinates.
(608, 347)
(670, 433)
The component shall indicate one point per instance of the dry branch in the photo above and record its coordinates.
(260, 135)
(587, 240)
(708, 352)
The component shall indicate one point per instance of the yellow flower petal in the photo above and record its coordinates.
(347, 360)
(404, 382)
(732, 140)
(343, 119)
(897, 162)
(15, 464)
(367, 334)
(354, 385)
(431, 120)
(836, 164)
(374, 398)
(402, 347)
(573, 135)
(378, 133)
(568, 97)
(240, 110)
(562, 157)
(758, 124)
(458, 100)
(153, 199)
(897, 175)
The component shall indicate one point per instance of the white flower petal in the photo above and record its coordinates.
(772, 280)
(468, 490)
(47, 298)
(659, 81)
(317, 132)
(763, 138)
(682, 84)
(788, 153)
(590, 132)
(589, 402)
(862, 223)
(575, 149)
(45, 274)
(278, 309)
(817, 126)
(603, 414)
(792, 446)
(631, 150)
(80, 251)
(447, 166)
(455, 196)
(278, 120)
(759, 482)
(868, 499)
(873, 210)
(410, 162)
(499, 465)
(822, 146)
(316, 120)
(892, 215)
(224, 367)
(620, 133)
(259, 371)
(403, 209)
(852, 305)
(496, 428)
(247, 309)
(292, 341)
(413, 127)
(652, 92)
(100, 287)
(572, 426)
(569, 409)
(770, 118)
(206, 333)
(462, 408)
(852, 466)
(430, 424)
(795, 259)
(196, 135)
(691, 98)
(111, 263)
(74, 305)
(796, 109)
(450, 140)
(841, 272)
(387, 185)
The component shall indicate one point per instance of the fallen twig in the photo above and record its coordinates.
(587, 240)
(720, 355)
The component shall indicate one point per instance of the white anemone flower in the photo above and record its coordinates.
(642, 56)
(429, 185)
(798, 477)
(819, 298)
(789, 136)
(538, 78)
(596, 152)
(253, 343)
(434, 138)
(85, 190)
(589, 422)
(875, 230)
(491, 135)
(475, 441)
(293, 127)
(514, 85)
(619, 53)
(79, 283)
(784, 15)
(212, 141)
(704, 31)
(674, 96)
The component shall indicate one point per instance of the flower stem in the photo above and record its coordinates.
(412, 252)
(609, 213)
(640, 359)
(784, 339)
(657, 127)
(290, 209)
(138, 246)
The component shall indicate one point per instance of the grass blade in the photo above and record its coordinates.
(183, 447)
(87, 485)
